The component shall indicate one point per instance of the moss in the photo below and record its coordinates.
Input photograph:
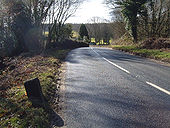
(13, 122)
(18, 112)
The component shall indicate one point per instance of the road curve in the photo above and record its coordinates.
(111, 89)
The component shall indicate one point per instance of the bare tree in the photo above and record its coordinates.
(60, 11)
(100, 29)
(95, 29)
(117, 24)
(8, 41)
(154, 22)
(29, 17)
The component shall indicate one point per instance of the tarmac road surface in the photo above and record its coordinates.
(111, 89)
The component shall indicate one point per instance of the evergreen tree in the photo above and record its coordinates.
(83, 31)
(130, 10)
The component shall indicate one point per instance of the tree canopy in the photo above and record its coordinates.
(130, 10)
(23, 22)
(147, 18)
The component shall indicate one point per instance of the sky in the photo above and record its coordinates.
(89, 9)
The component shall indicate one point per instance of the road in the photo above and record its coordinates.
(111, 89)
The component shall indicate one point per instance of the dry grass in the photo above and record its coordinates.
(158, 54)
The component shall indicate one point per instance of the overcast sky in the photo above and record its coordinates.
(89, 9)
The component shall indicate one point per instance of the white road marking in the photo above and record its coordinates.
(117, 66)
(95, 51)
(151, 84)
(159, 88)
(112, 63)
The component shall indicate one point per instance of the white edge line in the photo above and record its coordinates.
(159, 88)
(117, 66)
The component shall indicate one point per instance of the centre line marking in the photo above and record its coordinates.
(151, 84)
(95, 51)
(117, 66)
(159, 88)
(112, 63)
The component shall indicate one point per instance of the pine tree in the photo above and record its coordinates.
(83, 31)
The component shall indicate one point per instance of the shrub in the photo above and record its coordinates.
(154, 43)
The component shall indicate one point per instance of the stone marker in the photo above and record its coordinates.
(34, 92)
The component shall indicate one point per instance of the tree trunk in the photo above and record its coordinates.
(134, 28)
(134, 34)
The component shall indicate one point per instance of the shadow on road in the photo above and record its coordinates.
(123, 107)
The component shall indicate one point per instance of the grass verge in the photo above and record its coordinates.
(16, 111)
(162, 54)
